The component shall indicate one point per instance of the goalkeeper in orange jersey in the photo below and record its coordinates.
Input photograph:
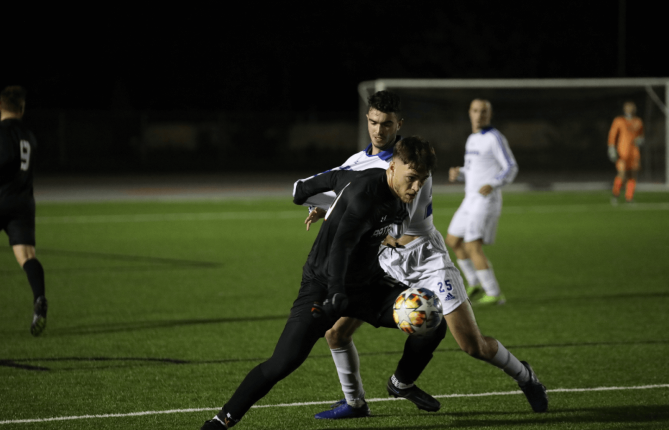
(625, 137)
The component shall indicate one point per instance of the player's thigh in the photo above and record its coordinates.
(447, 284)
(345, 327)
(482, 225)
(300, 333)
(462, 323)
(635, 162)
(458, 225)
(373, 303)
(21, 228)
(454, 242)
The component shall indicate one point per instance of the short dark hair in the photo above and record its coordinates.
(386, 102)
(13, 99)
(417, 152)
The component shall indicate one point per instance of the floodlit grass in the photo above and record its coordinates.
(163, 306)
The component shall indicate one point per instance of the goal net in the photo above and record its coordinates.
(557, 128)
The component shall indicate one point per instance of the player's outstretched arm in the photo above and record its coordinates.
(304, 189)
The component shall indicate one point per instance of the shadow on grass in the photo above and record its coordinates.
(139, 262)
(569, 418)
(124, 362)
(149, 325)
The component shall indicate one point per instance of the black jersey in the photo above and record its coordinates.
(17, 147)
(345, 253)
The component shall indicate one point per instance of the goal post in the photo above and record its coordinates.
(555, 127)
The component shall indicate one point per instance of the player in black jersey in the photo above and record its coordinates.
(342, 275)
(17, 204)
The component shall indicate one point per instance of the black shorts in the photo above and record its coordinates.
(372, 302)
(19, 223)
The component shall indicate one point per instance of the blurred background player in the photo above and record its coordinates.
(17, 204)
(625, 137)
(489, 164)
(419, 259)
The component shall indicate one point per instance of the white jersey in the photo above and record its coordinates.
(488, 161)
(420, 220)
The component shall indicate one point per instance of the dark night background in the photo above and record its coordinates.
(273, 64)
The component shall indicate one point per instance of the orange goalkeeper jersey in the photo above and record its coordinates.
(623, 132)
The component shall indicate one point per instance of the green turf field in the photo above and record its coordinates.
(166, 306)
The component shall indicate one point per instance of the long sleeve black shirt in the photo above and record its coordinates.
(345, 252)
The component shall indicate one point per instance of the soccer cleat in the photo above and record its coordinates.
(414, 394)
(487, 300)
(474, 291)
(213, 424)
(341, 410)
(39, 316)
(535, 391)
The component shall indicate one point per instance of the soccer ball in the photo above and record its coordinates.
(417, 311)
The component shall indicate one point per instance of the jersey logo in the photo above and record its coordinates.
(335, 202)
(382, 232)
(383, 218)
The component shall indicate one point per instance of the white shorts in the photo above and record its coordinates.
(477, 217)
(425, 263)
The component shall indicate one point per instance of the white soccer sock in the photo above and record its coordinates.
(488, 281)
(348, 368)
(467, 268)
(398, 384)
(510, 364)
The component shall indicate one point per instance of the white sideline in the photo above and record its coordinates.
(280, 405)
(221, 216)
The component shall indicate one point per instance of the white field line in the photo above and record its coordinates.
(226, 216)
(282, 405)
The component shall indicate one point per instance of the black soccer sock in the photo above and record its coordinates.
(35, 272)
(417, 354)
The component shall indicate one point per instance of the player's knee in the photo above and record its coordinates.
(274, 370)
(475, 347)
(474, 249)
(337, 338)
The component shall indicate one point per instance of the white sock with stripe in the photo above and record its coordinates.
(510, 364)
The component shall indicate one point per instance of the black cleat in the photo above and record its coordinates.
(535, 391)
(213, 424)
(39, 316)
(414, 394)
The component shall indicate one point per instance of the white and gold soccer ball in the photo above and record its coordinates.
(417, 311)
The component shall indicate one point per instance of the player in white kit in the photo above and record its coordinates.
(419, 259)
(489, 165)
